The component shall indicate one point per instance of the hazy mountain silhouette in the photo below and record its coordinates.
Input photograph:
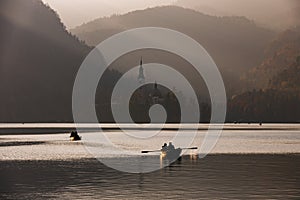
(39, 60)
(275, 14)
(235, 43)
(38, 63)
(281, 54)
(278, 102)
(277, 94)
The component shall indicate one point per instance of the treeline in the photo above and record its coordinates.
(288, 79)
(265, 106)
(277, 103)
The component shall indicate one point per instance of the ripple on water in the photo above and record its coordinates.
(216, 176)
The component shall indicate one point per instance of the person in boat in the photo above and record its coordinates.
(171, 146)
(164, 147)
(74, 136)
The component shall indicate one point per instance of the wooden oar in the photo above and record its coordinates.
(151, 151)
(160, 150)
(190, 148)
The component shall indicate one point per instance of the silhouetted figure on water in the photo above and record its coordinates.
(74, 136)
(164, 147)
(171, 146)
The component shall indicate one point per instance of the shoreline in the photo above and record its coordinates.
(58, 128)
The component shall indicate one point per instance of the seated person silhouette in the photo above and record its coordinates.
(165, 147)
(171, 146)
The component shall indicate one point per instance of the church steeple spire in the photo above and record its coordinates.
(141, 77)
(155, 85)
(141, 61)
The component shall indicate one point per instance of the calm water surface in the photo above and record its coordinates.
(248, 162)
(233, 176)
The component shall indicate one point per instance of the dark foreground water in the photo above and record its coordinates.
(237, 176)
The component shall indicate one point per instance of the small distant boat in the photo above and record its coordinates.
(74, 136)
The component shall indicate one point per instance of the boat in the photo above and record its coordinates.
(74, 136)
(171, 154)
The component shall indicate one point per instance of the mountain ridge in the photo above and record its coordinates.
(280, 54)
(235, 43)
(38, 65)
(283, 12)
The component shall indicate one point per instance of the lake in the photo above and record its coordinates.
(248, 162)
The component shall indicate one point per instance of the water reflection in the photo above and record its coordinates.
(216, 176)
(21, 143)
(193, 156)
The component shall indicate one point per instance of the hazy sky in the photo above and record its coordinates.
(277, 13)
(76, 12)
